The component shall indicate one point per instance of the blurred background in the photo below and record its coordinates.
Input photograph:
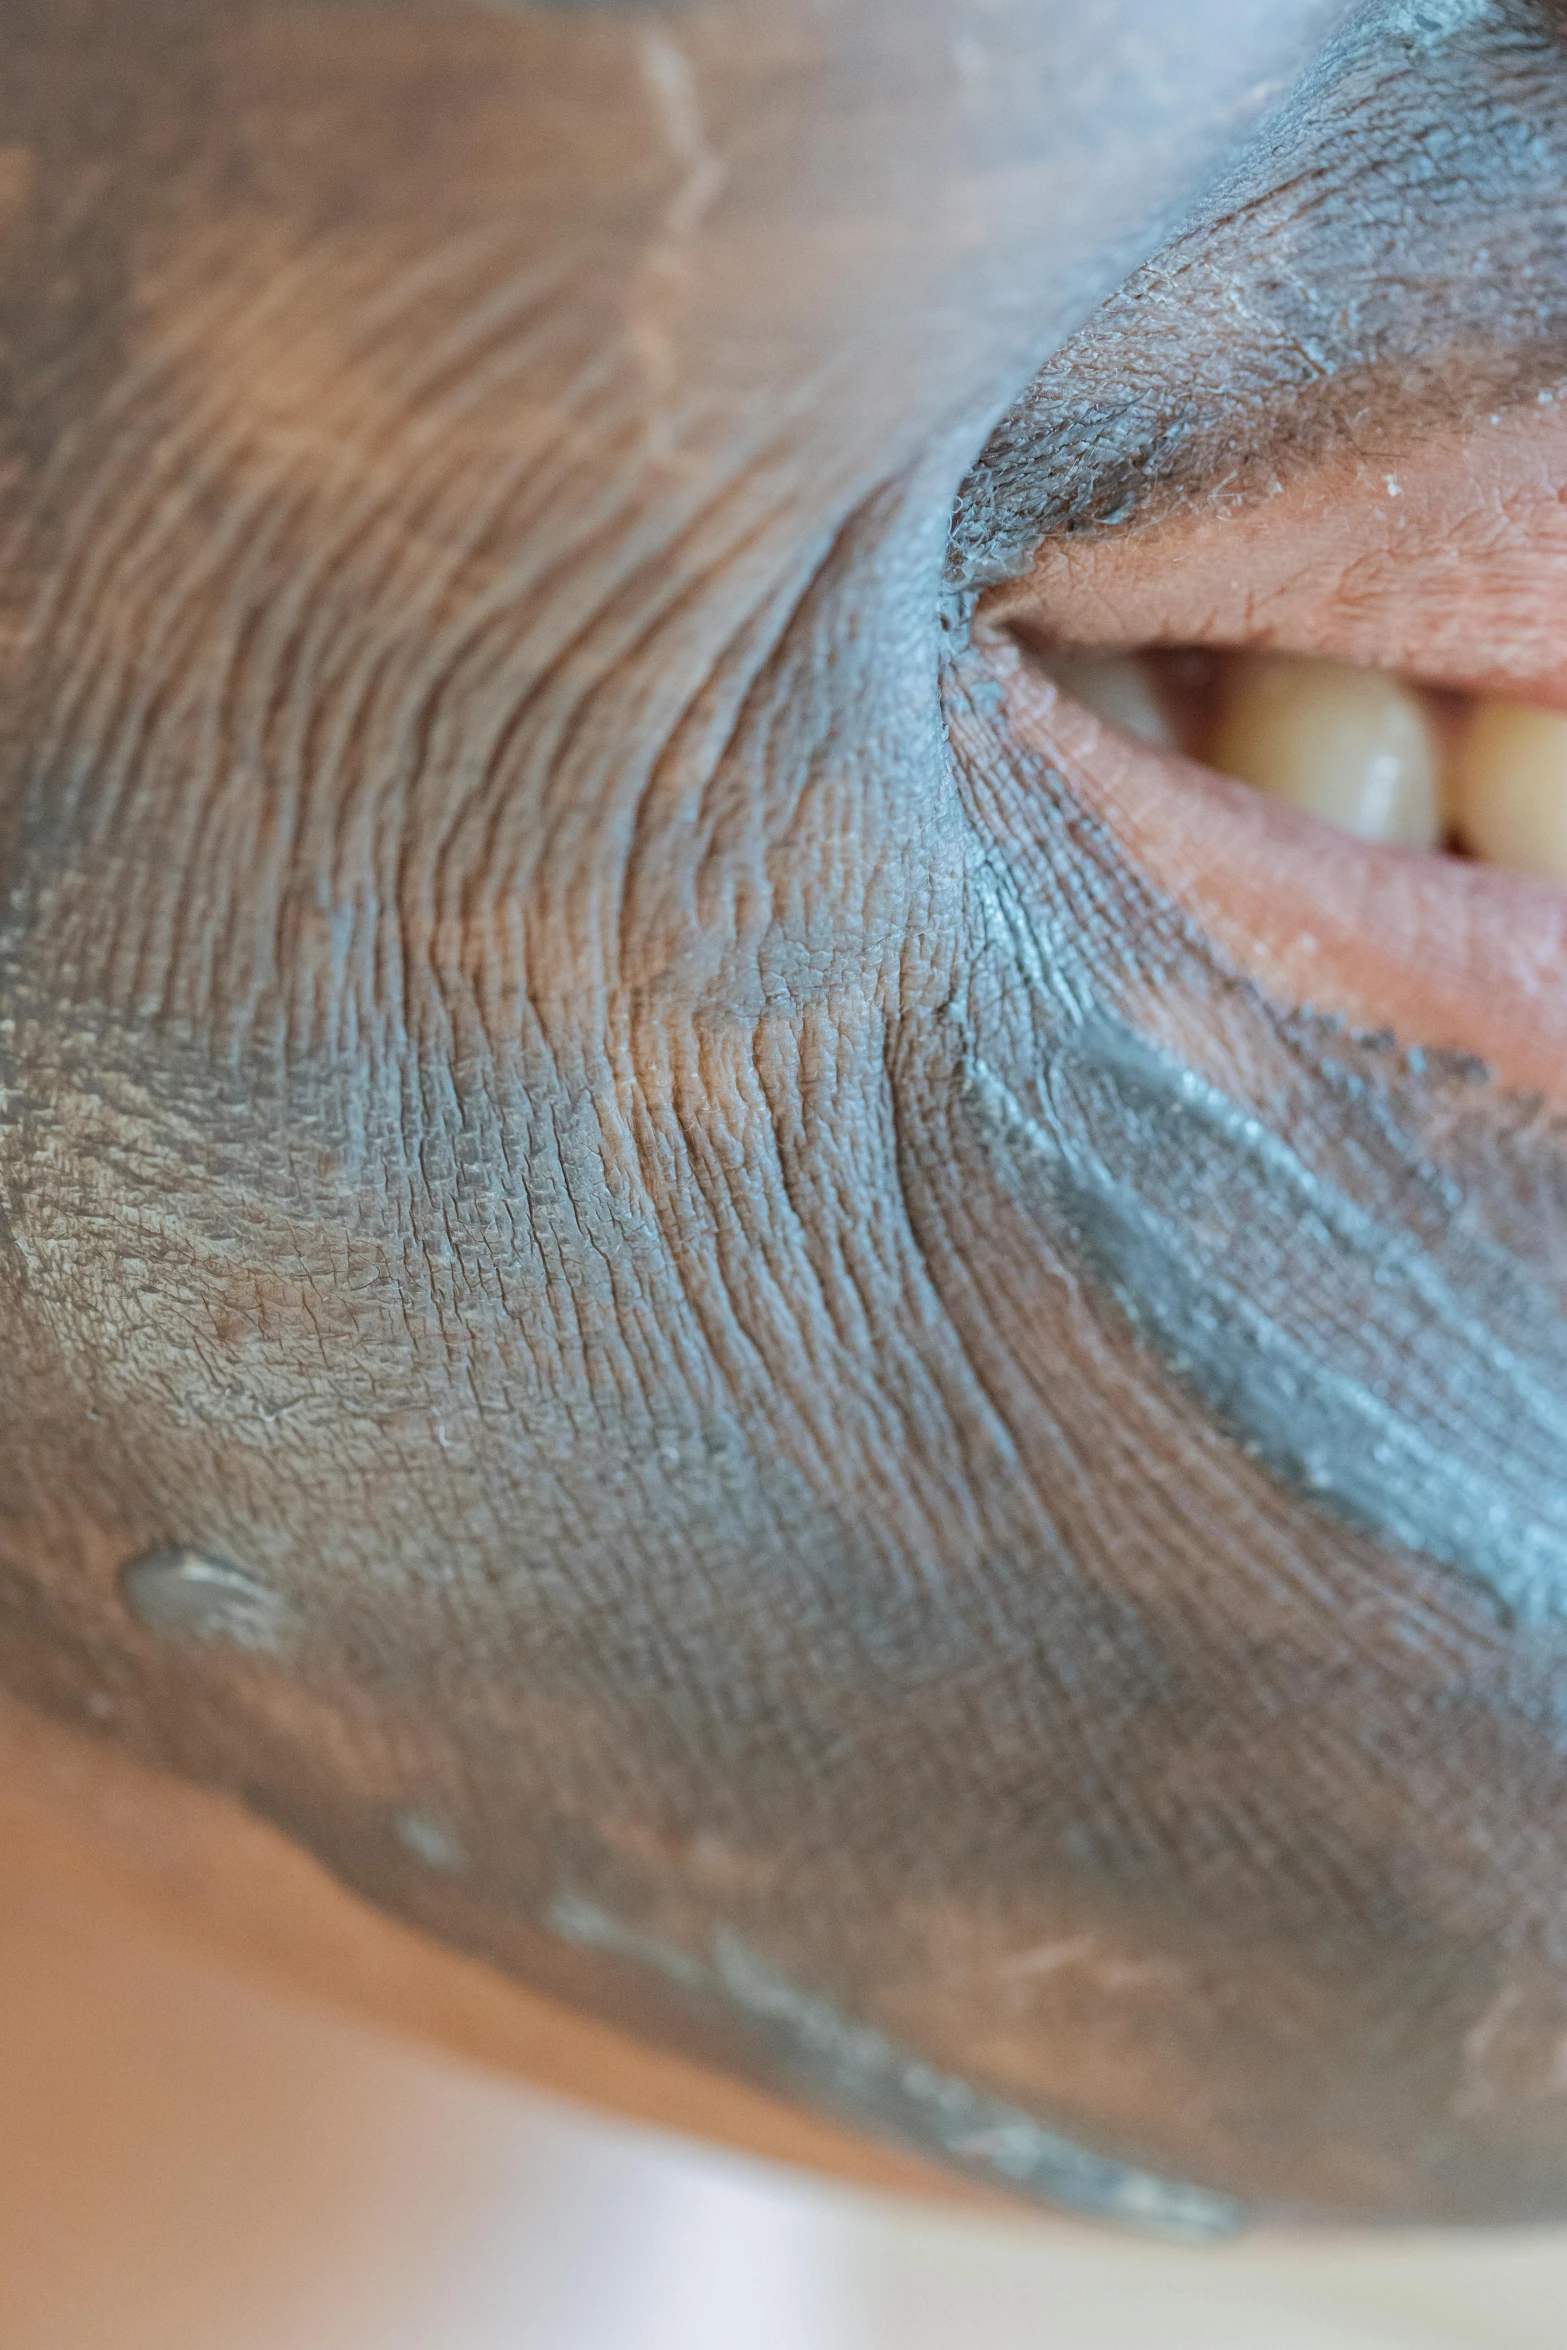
(191, 2162)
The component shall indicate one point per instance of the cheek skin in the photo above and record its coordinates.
(1447, 561)
(409, 1219)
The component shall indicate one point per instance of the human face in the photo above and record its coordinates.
(828, 1411)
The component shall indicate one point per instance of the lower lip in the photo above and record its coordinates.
(1448, 954)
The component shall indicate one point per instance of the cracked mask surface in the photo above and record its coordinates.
(586, 1136)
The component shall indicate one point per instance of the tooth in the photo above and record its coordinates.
(1117, 688)
(1509, 788)
(1352, 745)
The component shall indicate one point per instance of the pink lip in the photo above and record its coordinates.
(1444, 952)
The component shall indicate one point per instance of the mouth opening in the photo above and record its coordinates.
(1382, 757)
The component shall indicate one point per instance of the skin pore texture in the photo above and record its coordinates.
(714, 1296)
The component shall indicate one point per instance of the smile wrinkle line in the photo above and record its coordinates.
(867, 2076)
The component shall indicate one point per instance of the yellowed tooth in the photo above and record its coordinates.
(1352, 745)
(1508, 788)
(1117, 688)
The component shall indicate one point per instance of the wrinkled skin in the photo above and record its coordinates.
(546, 1014)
